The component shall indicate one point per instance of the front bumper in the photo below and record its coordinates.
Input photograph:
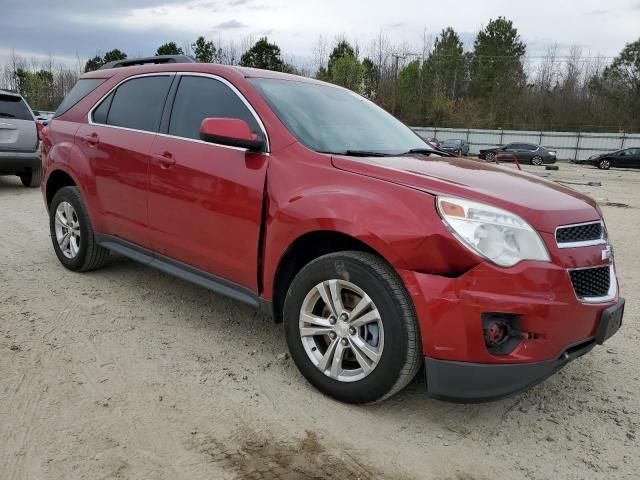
(558, 326)
(464, 382)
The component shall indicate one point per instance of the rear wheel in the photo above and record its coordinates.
(351, 327)
(71, 233)
(30, 178)
(604, 164)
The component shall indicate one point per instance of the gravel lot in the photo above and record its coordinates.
(129, 373)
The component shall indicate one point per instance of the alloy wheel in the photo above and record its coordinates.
(537, 160)
(341, 330)
(67, 228)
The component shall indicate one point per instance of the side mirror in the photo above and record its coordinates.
(232, 132)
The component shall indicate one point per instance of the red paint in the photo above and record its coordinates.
(203, 204)
(227, 127)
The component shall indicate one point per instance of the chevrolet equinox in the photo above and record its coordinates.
(307, 201)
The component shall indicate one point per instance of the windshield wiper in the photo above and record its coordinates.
(428, 151)
(8, 115)
(366, 153)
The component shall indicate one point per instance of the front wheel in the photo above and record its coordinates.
(537, 160)
(490, 157)
(351, 327)
(604, 164)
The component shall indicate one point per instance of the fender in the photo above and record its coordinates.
(408, 233)
(64, 155)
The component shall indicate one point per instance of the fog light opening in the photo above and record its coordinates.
(502, 332)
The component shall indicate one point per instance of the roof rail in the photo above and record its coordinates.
(128, 62)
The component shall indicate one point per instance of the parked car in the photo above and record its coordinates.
(434, 142)
(308, 201)
(524, 152)
(627, 158)
(456, 146)
(19, 145)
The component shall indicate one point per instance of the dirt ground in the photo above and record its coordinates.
(129, 373)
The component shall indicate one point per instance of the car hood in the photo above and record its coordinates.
(544, 204)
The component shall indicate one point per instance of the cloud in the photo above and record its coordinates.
(230, 24)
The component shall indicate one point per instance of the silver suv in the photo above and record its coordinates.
(19, 145)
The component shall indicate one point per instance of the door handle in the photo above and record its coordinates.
(164, 159)
(92, 139)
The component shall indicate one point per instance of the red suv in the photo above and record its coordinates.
(308, 201)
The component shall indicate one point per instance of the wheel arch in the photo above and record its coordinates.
(304, 249)
(56, 180)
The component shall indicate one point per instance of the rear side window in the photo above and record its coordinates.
(81, 89)
(100, 114)
(136, 104)
(198, 98)
(12, 106)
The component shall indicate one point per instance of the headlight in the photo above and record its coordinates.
(495, 234)
(552, 153)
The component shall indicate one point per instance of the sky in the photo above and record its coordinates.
(67, 29)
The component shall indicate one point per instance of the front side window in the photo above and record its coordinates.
(135, 104)
(330, 119)
(198, 98)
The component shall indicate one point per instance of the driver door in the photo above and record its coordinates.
(205, 200)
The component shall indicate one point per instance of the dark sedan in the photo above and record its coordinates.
(456, 146)
(524, 152)
(627, 158)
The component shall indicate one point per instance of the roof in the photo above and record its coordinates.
(213, 68)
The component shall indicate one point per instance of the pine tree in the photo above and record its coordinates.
(264, 55)
(497, 73)
(169, 48)
(204, 51)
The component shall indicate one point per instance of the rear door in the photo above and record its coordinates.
(117, 142)
(205, 203)
(18, 131)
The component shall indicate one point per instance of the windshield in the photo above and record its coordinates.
(334, 120)
(451, 143)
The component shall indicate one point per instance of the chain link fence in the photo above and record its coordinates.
(568, 145)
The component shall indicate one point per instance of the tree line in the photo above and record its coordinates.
(493, 84)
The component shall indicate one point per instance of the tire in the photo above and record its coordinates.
(604, 164)
(87, 254)
(394, 334)
(537, 160)
(31, 179)
(490, 157)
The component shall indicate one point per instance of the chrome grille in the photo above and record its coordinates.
(581, 234)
